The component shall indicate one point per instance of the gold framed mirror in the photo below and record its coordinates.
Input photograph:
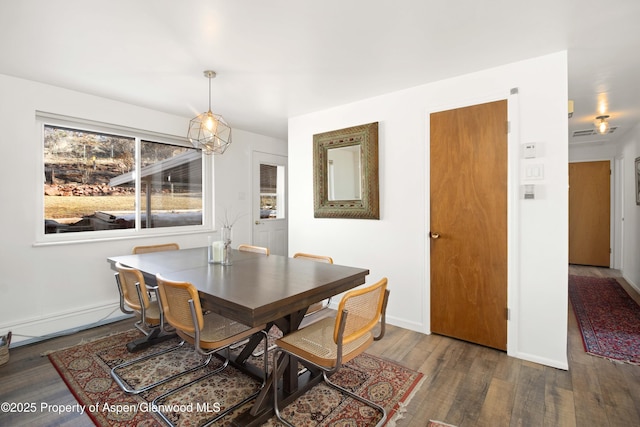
(345, 173)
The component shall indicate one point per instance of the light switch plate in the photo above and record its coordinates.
(534, 172)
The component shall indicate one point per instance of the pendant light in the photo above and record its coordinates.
(208, 131)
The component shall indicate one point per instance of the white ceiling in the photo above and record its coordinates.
(280, 58)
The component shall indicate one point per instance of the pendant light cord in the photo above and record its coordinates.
(209, 93)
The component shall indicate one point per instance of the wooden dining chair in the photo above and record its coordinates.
(330, 342)
(208, 334)
(256, 249)
(314, 308)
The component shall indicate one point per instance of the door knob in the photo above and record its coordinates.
(257, 222)
(433, 235)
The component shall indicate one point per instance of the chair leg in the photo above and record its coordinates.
(258, 353)
(155, 404)
(277, 372)
(142, 327)
(357, 397)
(127, 389)
(238, 344)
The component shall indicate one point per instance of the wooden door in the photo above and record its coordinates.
(589, 213)
(469, 223)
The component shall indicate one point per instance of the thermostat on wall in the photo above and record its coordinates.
(530, 151)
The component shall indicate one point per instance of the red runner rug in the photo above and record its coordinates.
(609, 319)
(86, 371)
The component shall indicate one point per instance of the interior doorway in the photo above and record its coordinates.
(590, 213)
(269, 202)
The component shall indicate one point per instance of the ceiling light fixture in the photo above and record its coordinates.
(602, 124)
(209, 132)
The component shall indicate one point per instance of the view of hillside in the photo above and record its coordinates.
(79, 167)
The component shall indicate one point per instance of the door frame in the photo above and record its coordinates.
(618, 213)
(513, 196)
(616, 233)
(613, 200)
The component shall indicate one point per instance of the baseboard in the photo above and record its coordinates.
(630, 282)
(564, 365)
(406, 324)
(392, 320)
(28, 331)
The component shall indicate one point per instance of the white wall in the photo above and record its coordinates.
(46, 289)
(396, 246)
(233, 180)
(589, 153)
(629, 149)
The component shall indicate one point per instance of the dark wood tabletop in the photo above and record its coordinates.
(256, 289)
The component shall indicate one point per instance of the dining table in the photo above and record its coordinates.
(255, 289)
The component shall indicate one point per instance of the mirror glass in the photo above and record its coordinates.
(345, 173)
(344, 179)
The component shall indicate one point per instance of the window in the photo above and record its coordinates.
(101, 181)
(271, 191)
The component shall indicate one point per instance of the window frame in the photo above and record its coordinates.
(49, 119)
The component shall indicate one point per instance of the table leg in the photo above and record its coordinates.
(262, 406)
(253, 343)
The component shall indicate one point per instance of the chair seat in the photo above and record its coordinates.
(152, 313)
(315, 343)
(219, 331)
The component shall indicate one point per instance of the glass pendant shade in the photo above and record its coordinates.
(208, 131)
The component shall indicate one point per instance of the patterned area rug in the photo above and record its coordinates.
(608, 317)
(86, 371)
(439, 424)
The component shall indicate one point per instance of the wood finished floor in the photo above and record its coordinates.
(465, 385)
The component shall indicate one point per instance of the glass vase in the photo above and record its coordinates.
(225, 233)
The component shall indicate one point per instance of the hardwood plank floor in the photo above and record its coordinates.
(465, 384)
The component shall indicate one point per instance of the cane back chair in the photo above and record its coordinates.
(255, 249)
(314, 308)
(156, 248)
(208, 333)
(135, 299)
(330, 342)
(131, 282)
(136, 296)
